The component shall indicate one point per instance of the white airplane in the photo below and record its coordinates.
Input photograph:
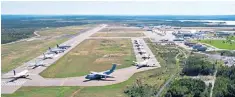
(137, 41)
(23, 74)
(101, 75)
(63, 46)
(56, 50)
(139, 48)
(142, 52)
(142, 64)
(47, 56)
(145, 56)
(37, 64)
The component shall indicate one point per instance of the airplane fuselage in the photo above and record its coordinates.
(95, 76)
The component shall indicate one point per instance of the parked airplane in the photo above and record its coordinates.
(23, 74)
(137, 41)
(56, 50)
(138, 45)
(139, 48)
(141, 52)
(63, 46)
(145, 56)
(47, 56)
(37, 64)
(142, 64)
(101, 75)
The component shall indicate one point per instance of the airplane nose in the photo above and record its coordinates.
(87, 77)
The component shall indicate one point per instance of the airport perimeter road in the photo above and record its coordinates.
(10, 87)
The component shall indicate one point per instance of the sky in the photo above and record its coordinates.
(119, 7)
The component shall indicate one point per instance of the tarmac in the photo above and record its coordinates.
(120, 75)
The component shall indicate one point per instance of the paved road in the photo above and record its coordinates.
(120, 74)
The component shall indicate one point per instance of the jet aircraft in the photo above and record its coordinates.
(101, 75)
(24, 74)
(63, 46)
(56, 50)
(142, 64)
(37, 64)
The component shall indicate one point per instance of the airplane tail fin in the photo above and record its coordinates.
(111, 70)
(14, 72)
(49, 48)
(44, 55)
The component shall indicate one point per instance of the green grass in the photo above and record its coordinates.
(103, 34)
(44, 92)
(219, 44)
(92, 55)
(14, 55)
(63, 30)
(155, 77)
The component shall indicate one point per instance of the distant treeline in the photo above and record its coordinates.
(19, 28)
(15, 27)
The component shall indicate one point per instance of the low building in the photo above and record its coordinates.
(222, 34)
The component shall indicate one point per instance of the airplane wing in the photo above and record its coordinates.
(94, 72)
(12, 80)
(107, 76)
(21, 73)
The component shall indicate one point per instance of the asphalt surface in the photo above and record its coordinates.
(120, 75)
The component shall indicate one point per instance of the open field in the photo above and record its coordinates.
(101, 34)
(92, 55)
(15, 54)
(221, 44)
(63, 30)
(44, 92)
(121, 29)
(155, 78)
(119, 32)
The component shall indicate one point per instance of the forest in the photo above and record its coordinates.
(225, 82)
(188, 88)
(195, 65)
(14, 29)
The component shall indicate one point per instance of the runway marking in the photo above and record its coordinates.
(63, 82)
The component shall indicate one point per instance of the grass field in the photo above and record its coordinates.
(92, 55)
(121, 29)
(118, 34)
(15, 54)
(155, 77)
(44, 92)
(63, 30)
(221, 44)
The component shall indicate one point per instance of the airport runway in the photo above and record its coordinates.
(120, 75)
